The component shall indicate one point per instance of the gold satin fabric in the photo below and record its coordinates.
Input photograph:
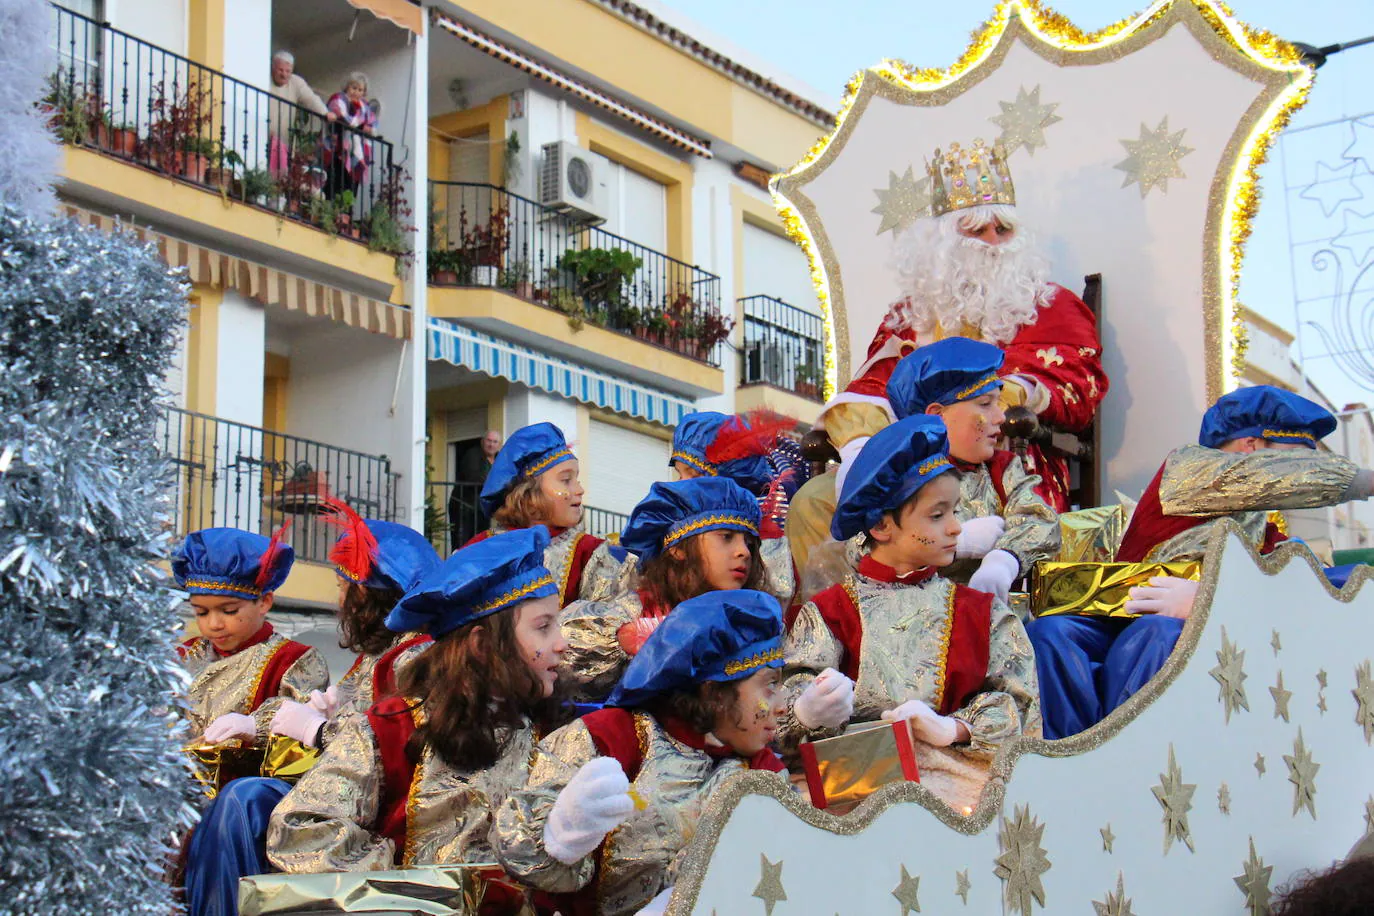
(441, 891)
(1096, 589)
(1091, 535)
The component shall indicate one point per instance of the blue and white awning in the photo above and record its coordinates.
(493, 356)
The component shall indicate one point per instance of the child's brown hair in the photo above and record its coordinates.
(703, 709)
(362, 618)
(672, 581)
(524, 505)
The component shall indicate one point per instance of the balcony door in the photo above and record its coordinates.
(636, 210)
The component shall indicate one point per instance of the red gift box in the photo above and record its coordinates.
(844, 770)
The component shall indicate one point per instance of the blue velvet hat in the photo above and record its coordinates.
(379, 554)
(682, 508)
(718, 636)
(1267, 412)
(529, 452)
(489, 576)
(946, 372)
(232, 563)
(893, 465)
(724, 445)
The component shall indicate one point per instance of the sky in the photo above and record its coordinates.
(823, 42)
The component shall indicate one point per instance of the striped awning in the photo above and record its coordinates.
(493, 356)
(267, 285)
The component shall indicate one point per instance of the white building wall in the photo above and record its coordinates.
(525, 406)
(248, 41)
(159, 22)
(713, 249)
(239, 368)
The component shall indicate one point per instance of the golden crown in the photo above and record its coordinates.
(962, 178)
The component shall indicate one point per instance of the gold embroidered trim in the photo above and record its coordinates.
(757, 660)
(223, 586)
(514, 594)
(535, 470)
(347, 575)
(641, 723)
(563, 596)
(413, 796)
(1288, 434)
(262, 669)
(959, 396)
(946, 634)
(690, 528)
(695, 462)
(931, 464)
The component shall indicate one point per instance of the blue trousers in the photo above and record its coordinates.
(229, 843)
(1088, 666)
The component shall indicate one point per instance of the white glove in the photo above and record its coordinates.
(1165, 596)
(848, 452)
(926, 724)
(996, 574)
(231, 725)
(298, 720)
(659, 905)
(827, 702)
(978, 536)
(593, 803)
(325, 703)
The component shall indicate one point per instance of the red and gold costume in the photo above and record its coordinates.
(1002, 486)
(581, 564)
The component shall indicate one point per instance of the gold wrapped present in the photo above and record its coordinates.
(1091, 535)
(1096, 589)
(844, 770)
(287, 759)
(216, 764)
(440, 890)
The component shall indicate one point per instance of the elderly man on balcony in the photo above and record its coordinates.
(289, 86)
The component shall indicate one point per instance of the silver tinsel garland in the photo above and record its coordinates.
(94, 791)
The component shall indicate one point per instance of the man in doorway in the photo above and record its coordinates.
(465, 516)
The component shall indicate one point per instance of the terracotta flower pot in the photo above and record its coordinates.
(191, 166)
(444, 278)
(123, 141)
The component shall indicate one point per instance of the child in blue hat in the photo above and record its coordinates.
(1256, 452)
(613, 798)
(953, 661)
(534, 481)
(241, 669)
(414, 780)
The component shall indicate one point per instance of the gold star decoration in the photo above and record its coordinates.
(1321, 678)
(1275, 643)
(1023, 121)
(1302, 773)
(1364, 700)
(1153, 158)
(905, 200)
(1254, 883)
(1230, 674)
(1259, 764)
(1224, 799)
(1281, 698)
(770, 884)
(1023, 861)
(1108, 838)
(962, 885)
(1176, 798)
(905, 892)
(1321, 703)
(1117, 903)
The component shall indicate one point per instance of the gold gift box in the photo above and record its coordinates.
(217, 764)
(1096, 589)
(441, 890)
(287, 759)
(1091, 535)
(844, 770)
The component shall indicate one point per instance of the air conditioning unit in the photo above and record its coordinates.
(569, 183)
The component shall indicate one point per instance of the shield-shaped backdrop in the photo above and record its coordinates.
(1132, 151)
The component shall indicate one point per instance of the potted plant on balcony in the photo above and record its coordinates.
(444, 266)
(485, 246)
(222, 172)
(572, 305)
(176, 144)
(516, 278)
(260, 188)
(808, 379)
(599, 277)
(384, 233)
(69, 108)
(343, 215)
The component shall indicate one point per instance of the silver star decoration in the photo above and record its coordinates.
(1281, 698)
(1117, 903)
(1176, 798)
(1361, 146)
(1356, 235)
(1254, 883)
(1302, 773)
(1023, 121)
(905, 893)
(1224, 799)
(1332, 187)
(1230, 674)
(1364, 700)
(1153, 159)
(961, 885)
(1275, 643)
(1259, 764)
(1108, 838)
(770, 884)
(905, 200)
(1023, 861)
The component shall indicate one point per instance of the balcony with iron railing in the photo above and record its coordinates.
(453, 515)
(231, 474)
(485, 237)
(125, 98)
(784, 347)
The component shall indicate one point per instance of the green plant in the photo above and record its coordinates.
(177, 125)
(73, 110)
(486, 243)
(448, 259)
(384, 233)
(516, 273)
(259, 183)
(601, 274)
(510, 160)
(570, 304)
(324, 213)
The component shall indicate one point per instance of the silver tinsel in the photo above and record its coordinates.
(93, 789)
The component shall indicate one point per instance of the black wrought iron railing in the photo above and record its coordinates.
(784, 346)
(133, 100)
(482, 235)
(230, 474)
(453, 515)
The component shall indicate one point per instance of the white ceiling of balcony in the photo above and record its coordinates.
(483, 77)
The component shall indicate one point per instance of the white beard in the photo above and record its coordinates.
(952, 281)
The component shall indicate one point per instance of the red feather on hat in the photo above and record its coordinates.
(268, 561)
(356, 549)
(748, 435)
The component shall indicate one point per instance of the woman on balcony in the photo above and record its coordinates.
(348, 153)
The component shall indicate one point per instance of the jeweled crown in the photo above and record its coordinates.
(962, 178)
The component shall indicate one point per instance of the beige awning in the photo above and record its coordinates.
(267, 285)
(402, 12)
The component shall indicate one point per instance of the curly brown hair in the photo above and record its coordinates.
(524, 505)
(362, 618)
(1345, 889)
(473, 684)
(672, 581)
(712, 701)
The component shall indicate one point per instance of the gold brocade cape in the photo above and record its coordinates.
(1032, 528)
(225, 684)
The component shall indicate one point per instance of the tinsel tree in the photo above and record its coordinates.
(93, 789)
